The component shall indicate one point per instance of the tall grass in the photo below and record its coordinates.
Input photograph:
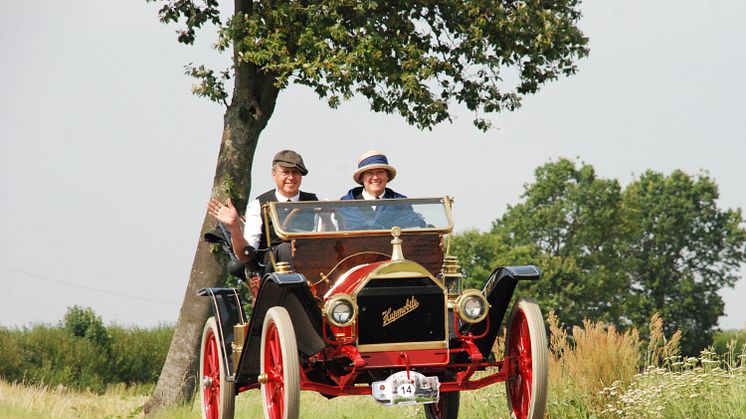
(595, 371)
(583, 364)
(41, 401)
(598, 372)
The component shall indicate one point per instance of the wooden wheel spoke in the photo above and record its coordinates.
(527, 351)
(280, 365)
(217, 394)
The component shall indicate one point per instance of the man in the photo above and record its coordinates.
(373, 174)
(250, 241)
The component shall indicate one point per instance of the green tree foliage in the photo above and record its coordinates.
(682, 250)
(570, 219)
(52, 355)
(412, 58)
(137, 354)
(83, 322)
(660, 245)
(408, 57)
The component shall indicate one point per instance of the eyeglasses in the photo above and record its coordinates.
(376, 172)
(285, 173)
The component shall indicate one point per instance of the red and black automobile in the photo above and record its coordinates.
(372, 306)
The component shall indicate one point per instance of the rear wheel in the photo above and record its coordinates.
(446, 408)
(279, 366)
(218, 396)
(526, 350)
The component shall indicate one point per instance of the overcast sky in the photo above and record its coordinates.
(107, 160)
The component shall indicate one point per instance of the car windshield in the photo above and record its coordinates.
(296, 219)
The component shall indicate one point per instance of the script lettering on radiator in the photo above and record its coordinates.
(391, 315)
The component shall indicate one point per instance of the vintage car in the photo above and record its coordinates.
(373, 305)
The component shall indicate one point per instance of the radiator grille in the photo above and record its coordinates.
(401, 311)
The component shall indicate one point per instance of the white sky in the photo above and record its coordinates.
(106, 159)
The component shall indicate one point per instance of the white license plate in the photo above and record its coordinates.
(399, 390)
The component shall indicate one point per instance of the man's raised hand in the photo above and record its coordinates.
(225, 213)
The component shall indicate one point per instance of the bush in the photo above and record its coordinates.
(137, 355)
(723, 339)
(10, 357)
(81, 353)
(52, 356)
(83, 322)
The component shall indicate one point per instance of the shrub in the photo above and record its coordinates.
(10, 357)
(723, 338)
(83, 322)
(52, 356)
(81, 353)
(137, 354)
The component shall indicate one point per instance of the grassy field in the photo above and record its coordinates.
(17, 401)
(594, 373)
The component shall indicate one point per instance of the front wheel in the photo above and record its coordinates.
(526, 350)
(446, 408)
(218, 396)
(280, 369)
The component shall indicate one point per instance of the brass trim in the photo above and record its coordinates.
(359, 233)
(325, 277)
(330, 303)
(398, 269)
(406, 269)
(285, 235)
(283, 268)
(392, 315)
(267, 215)
(459, 308)
(412, 346)
(239, 338)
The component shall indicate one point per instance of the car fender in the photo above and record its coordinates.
(291, 291)
(499, 290)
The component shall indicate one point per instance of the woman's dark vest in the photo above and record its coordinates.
(270, 196)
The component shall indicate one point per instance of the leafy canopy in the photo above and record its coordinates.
(618, 255)
(410, 57)
(570, 220)
(83, 322)
(682, 250)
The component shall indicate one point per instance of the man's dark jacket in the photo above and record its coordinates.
(270, 196)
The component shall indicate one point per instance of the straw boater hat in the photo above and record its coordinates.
(372, 160)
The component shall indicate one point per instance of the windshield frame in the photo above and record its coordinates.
(271, 209)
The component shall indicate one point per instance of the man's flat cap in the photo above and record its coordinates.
(289, 158)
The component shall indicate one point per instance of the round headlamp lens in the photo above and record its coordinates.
(342, 312)
(473, 307)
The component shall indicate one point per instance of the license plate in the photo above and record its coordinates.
(400, 390)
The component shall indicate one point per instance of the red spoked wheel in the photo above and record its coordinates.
(446, 408)
(526, 348)
(279, 366)
(218, 396)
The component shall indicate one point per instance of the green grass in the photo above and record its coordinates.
(594, 373)
(20, 401)
(695, 391)
(698, 389)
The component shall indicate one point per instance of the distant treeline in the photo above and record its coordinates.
(80, 352)
(618, 253)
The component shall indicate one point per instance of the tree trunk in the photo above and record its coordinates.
(252, 104)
